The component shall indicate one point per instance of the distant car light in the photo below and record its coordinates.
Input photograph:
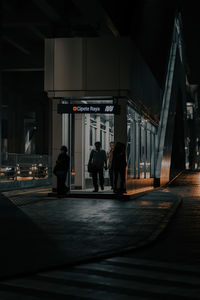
(8, 168)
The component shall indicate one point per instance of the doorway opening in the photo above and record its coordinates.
(81, 132)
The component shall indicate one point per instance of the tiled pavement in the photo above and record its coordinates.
(40, 232)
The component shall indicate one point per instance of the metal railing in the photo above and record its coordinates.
(15, 166)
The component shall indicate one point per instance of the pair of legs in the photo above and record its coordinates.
(111, 177)
(61, 187)
(95, 174)
(121, 173)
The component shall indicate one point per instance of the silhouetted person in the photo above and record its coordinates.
(99, 161)
(110, 158)
(61, 169)
(119, 167)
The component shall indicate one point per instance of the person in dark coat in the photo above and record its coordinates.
(119, 167)
(98, 160)
(110, 157)
(61, 169)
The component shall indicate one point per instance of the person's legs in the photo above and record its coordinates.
(101, 178)
(111, 177)
(67, 187)
(59, 185)
(122, 180)
(63, 186)
(94, 179)
(115, 179)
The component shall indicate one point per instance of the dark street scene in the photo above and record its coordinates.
(99, 150)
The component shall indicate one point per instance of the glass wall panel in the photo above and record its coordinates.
(152, 154)
(130, 147)
(140, 146)
(143, 153)
(133, 147)
(138, 138)
(148, 161)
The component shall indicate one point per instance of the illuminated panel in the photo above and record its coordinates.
(88, 109)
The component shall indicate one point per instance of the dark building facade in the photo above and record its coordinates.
(25, 116)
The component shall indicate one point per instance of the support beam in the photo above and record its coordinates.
(111, 26)
(16, 45)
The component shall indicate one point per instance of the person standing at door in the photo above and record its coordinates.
(98, 160)
(110, 158)
(61, 169)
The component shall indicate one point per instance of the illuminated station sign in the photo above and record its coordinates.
(88, 108)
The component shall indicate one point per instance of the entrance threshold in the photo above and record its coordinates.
(107, 194)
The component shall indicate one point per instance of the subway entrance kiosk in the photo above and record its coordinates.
(88, 120)
(89, 85)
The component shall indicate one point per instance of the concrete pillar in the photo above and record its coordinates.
(133, 146)
(56, 137)
(152, 154)
(65, 130)
(66, 140)
(87, 143)
(107, 146)
(138, 146)
(98, 128)
(145, 149)
(120, 123)
(78, 151)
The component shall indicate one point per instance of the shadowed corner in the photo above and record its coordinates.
(25, 248)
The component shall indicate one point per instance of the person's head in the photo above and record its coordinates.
(64, 149)
(98, 145)
(112, 145)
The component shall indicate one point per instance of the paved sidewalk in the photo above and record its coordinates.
(39, 232)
